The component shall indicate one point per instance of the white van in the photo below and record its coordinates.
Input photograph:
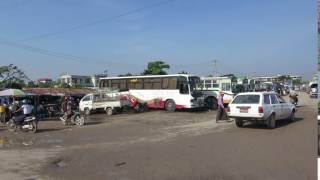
(95, 102)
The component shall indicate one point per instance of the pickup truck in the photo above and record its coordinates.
(109, 103)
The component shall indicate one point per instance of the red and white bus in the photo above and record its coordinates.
(168, 92)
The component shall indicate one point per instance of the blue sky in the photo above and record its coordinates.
(247, 37)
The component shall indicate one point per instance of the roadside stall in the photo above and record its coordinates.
(10, 103)
(50, 99)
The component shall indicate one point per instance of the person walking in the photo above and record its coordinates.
(220, 112)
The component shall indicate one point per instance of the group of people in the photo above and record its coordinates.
(18, 109)
(24, 108)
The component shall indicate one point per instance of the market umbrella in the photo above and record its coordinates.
(12, 92)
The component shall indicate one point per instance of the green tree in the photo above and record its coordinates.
(297, 82)
(283, 78)
(44, 85)
(228, 75)
(183, 72)
(64, 85)
(12, 77)
(123, 75)
(156, 68)
(31, 84)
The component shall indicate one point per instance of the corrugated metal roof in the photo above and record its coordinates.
(59, 91)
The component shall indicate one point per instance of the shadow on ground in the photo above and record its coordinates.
(280, 124)
(93, 123)
(50, 129)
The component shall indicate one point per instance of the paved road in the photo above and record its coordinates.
(161, 145)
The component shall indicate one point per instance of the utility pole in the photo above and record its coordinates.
(215, 69)
(105, 72)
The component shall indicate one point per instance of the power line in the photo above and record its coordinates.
(44, 51)
(70, 57)
(41, 36)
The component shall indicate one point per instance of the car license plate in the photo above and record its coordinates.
(243, 110)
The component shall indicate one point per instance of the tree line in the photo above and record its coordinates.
(13, 77)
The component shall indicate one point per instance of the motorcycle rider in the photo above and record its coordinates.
(67, 110)
(293, 97)
(27, 110)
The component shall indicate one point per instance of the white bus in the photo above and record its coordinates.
(168, 92)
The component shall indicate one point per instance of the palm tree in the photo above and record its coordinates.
(156, 68)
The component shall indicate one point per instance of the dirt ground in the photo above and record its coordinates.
(161, 145)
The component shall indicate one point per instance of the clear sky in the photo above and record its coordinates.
(246, 37)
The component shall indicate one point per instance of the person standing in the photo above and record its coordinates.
(67, 110)
(220, 112)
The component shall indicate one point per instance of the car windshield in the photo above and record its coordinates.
(247, 99)
(314, 86)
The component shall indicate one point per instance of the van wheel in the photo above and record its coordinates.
(109, 111)
(87, 111)
(239, 122)
(211, 103)
(271, 122)
(170, 106)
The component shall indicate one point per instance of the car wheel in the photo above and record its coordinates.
(271, 122)
(87, 111)
(170, 106)
(109, 111)
(292, 117)
(239, 122)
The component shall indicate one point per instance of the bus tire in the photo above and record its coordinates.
(170, 105)
(211, 103)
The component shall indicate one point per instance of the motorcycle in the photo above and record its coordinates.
(76, 119)
(30, 123)
(294, 99)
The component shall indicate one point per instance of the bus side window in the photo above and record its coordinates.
(173, 83)
(165, 83)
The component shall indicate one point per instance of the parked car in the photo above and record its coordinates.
(265, 107)
(313, 89)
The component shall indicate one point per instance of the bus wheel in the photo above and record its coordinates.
(170, 106)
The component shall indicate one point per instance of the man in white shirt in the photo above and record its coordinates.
(26, 108)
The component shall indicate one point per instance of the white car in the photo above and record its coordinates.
(266, 107)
